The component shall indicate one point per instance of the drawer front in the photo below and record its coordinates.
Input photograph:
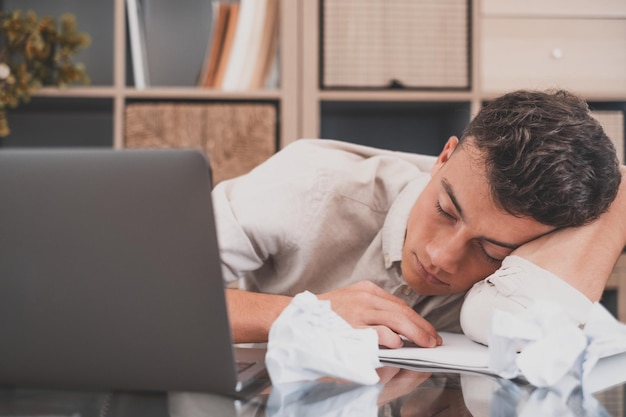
(584, 55)
(545, 8)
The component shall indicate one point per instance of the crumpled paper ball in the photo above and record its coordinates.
(544, 345)
(309, 341)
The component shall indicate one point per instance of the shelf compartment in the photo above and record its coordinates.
(234, 136)
(60, 122)
(405, 126)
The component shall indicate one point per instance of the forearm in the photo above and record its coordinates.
(251, 314)
(584, 256)
(569, 267)
(516, 286)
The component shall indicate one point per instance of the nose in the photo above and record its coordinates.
(446, 252)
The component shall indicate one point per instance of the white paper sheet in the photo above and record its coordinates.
(456, 352)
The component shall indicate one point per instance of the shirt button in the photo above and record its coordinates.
(407, 290)
(387, 260)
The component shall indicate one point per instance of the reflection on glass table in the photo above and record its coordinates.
(402, 392)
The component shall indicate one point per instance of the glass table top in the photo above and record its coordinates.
(401, 392)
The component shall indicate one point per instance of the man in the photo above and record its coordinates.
(395, 240)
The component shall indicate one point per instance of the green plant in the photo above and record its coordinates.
(36, 52)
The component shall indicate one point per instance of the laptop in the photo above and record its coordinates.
(110, 274)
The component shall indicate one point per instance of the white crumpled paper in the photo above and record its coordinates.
(550, 349)
(309, 341)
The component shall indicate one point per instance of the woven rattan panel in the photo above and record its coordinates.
(234, 137)
(383, 43)
(612, 122)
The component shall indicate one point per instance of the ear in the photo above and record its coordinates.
(445, 154)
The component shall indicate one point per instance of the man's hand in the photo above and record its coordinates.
(398, 382)
(364, 304)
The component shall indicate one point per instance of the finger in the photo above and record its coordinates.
(371, 288)
(403, 320)
(403, 383)
(387, 337)
(386, 373)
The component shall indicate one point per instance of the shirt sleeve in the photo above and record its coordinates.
(265, 216)
(514, 287)
(261, 213)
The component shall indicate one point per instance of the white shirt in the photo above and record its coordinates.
(321, 215)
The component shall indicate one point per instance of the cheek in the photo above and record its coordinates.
(474, 271)
(422, 222)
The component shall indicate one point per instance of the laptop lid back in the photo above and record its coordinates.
(109, 272)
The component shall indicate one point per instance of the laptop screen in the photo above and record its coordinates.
(110, 272)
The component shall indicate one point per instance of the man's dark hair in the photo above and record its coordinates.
(546, 157)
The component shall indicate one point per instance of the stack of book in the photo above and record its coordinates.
(242, 50)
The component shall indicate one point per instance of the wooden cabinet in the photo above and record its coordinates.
(577, 45)
(587, 56)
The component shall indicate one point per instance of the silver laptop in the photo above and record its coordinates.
(110, 275)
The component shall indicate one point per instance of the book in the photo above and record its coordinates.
(219, 17)
(242, 50)
(229, 36)
(137, 34)
(253, 51)
(268, 47)
(244, 36)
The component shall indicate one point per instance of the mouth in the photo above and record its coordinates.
(427, 276)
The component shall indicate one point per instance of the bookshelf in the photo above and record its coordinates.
(582, 47)
(94, 115)
(418, 119)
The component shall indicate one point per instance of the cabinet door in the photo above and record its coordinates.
(391, 44)
(585, 55)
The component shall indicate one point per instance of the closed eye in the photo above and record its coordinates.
(443, 212)
(488, 257)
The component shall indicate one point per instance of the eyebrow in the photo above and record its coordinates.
(446, 185)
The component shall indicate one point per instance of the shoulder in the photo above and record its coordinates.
(308, 173)
(347, 152)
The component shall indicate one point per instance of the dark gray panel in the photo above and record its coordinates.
(60, 122)
(177, 35)
(404, 126)
(93, 17)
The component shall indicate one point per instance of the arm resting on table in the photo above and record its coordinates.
(568, 266)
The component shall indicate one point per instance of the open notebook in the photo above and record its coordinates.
(460, 353)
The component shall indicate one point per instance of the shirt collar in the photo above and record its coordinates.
(394, 228)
